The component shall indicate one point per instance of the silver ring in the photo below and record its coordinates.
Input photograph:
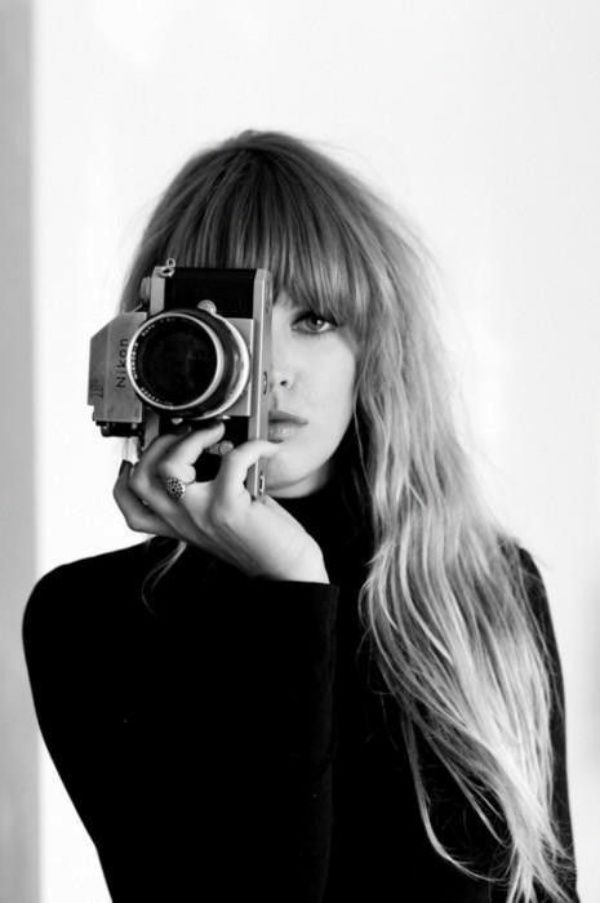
(175, 488)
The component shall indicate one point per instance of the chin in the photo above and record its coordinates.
(285, 479)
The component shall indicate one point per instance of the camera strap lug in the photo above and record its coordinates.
(168, 269)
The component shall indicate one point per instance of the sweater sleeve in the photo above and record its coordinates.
(196, 745)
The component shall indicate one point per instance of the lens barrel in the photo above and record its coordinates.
(187, 361)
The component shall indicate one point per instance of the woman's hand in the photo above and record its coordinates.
(259, 538)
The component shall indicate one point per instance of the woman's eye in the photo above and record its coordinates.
(320, 323)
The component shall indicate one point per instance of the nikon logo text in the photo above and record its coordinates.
(120, 370)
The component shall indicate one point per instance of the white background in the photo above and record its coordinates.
(482, 119)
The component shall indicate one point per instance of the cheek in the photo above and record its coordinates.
(335, 385)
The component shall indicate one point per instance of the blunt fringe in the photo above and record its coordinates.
(444, 603)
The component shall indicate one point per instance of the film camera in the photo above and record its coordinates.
(196, 350)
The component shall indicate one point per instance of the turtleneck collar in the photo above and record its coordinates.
(301, 506)
(333, 516)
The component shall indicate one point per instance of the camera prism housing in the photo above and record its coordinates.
(196, 351)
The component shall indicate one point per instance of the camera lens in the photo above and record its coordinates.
(176, 364)
(187, 361)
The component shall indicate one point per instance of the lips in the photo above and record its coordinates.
(279, 416)
(283, 425)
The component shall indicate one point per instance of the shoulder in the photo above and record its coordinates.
(535, 593)
(528, 580)
(540, 615)
(531, 572)
(86, 589)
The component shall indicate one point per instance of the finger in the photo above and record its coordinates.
(137, 516)
(180, 460)
(142, 477)
(149, 490)
(229, 485)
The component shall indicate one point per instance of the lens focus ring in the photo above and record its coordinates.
(185, 361)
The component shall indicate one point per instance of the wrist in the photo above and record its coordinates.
(318, 575)
(310, 570)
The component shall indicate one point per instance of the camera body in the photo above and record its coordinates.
(197, 350)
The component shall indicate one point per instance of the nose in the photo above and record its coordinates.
(279, 378)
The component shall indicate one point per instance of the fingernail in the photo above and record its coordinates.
(124, 465)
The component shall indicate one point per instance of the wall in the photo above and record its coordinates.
(18, 756)
(481, 119)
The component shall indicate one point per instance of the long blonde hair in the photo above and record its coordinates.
(444, 601)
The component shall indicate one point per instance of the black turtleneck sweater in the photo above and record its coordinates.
(234, 742)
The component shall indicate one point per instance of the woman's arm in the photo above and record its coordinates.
(196, 743)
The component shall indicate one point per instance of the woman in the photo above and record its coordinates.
(349, 691)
